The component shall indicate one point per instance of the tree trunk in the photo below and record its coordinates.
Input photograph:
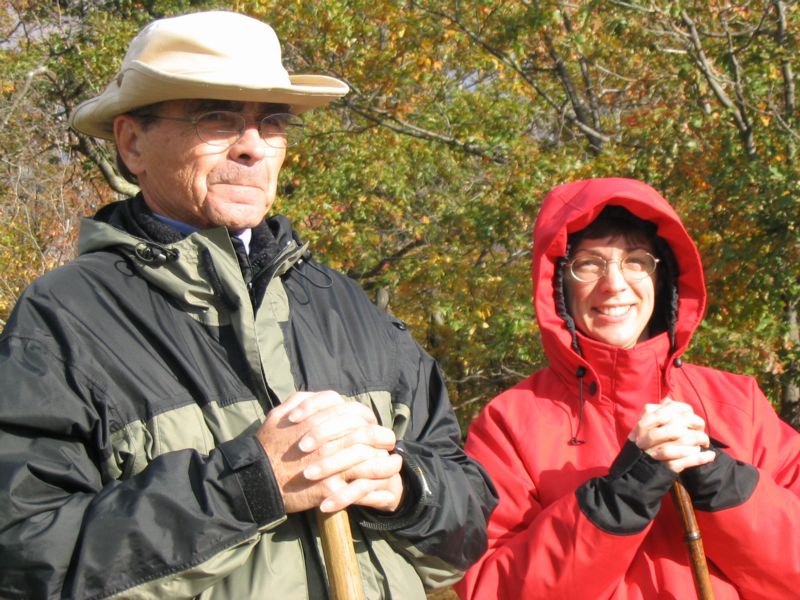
(790, 400)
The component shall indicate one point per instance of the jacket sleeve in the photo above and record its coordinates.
(577, 546)
(750, 523)
(68, 529)
(441, 527)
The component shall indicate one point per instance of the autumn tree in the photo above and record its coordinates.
(423, 183)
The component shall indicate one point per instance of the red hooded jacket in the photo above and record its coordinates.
(565, 527)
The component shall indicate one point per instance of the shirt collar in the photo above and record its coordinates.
(245, 235)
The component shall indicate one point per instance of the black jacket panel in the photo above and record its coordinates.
(131, 389)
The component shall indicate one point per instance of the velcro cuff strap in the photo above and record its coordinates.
(254, 473)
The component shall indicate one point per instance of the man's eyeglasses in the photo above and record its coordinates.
(635, 266)
(224, 128)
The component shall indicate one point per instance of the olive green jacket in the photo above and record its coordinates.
(133, 380)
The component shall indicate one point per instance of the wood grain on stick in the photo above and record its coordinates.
(694, 542)
(341, 565)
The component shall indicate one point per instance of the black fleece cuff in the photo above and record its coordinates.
(250, 464)
(629, 497)
(721, 484)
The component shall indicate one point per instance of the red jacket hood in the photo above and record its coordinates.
(573, 206)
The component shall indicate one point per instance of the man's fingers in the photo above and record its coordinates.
(659, 423)
(655, 415)
(377, 494)
(290, 404)
(375, 436)
(305, 404)
(675, 450)
(378, 499)
(353, 420)
(340, 462)
(356, 462)
(349, 494)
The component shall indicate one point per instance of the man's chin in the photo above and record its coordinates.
(238, 224)
(238, 216)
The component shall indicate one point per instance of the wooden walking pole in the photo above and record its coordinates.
(694, 541)
(344, 576)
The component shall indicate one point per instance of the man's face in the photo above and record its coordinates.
(187, 179)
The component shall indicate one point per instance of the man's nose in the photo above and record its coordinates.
(251, 147)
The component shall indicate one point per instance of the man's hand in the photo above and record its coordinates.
(671, 432)
(329, 453)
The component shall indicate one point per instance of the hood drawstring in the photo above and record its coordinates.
(322, 284)
(561, 310)
(561, 302)
(580, 374)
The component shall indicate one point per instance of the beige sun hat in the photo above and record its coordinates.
(215, 55)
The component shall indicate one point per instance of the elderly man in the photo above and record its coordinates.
(179, 399)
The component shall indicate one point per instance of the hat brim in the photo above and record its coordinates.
(137, 87)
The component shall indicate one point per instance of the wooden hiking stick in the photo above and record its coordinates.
(344, 576)
(694, 541)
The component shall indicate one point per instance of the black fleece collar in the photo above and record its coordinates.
(134, 216)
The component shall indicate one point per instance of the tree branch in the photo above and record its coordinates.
(515, 66)
(738, 87)
(588, 84)
(26, 86)
(385, 119)
(706, 68)
(582, 115)
(384, 262)
(786, 66)
(88, 148)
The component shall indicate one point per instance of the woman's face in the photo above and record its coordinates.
(611, 309)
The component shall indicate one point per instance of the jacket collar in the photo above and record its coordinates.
(628, 378)
(200, 270)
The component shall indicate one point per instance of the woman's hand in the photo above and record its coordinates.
(671, 432)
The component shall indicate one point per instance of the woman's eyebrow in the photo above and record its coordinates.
(599, 254)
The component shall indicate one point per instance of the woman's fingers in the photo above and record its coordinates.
(668, 421)
(675, 432)
(691, 459)
(657, 415)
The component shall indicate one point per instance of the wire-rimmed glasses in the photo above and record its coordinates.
(224, 128)
(635, 266)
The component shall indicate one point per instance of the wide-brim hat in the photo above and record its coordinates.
(216, 55)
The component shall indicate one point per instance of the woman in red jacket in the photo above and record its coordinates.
(584, 451)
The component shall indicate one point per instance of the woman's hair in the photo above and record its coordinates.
(614, 222)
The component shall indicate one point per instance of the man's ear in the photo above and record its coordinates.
(127, 136)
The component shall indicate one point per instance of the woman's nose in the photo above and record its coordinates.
(614, 277)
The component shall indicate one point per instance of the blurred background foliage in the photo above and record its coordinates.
(424, 182)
